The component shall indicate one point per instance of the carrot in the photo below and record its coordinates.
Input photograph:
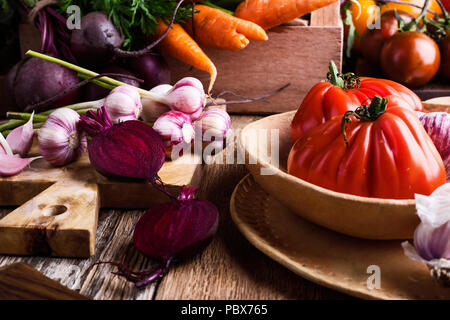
(181, 46)
(218, 29)
(272, 13)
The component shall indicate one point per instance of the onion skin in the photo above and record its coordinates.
(129, 149)
(437, 125)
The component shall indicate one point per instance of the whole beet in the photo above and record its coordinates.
(152, 68)
(36, 80)
(93, 44)
(95, 92)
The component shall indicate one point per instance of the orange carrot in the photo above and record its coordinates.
(181, 46)
(272, 13)
(218, 29)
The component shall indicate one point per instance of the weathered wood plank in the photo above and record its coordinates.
(20, 281)
(229, 268)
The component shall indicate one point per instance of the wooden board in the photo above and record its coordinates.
(231, 268)
(328, 258)
(20, 281)
(293, 54)
(59, 206)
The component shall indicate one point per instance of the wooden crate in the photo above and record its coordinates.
(294, 53)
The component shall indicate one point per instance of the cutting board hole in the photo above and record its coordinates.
(54, 210)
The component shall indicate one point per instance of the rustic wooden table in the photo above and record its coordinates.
(229, 268)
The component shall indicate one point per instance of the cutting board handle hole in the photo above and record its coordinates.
(54, 210)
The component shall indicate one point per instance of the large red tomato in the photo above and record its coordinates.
(334, 97)
(389, 154)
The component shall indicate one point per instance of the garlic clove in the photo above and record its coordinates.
(21, 138)
(186, 99)
(432, 235)
(123, 103)
(189, 81)
(60, 140)
(187, 132)
(11, 165)
(5, 148)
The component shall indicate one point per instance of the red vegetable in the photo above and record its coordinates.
(129, 149)
(411, 57)
(342, 93)
(171, 230)
(389, 154)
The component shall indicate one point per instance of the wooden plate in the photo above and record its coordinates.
(325, 257)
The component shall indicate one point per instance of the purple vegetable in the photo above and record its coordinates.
(37, 80)
(55, 37)
(95, 92)
(129, 149)
(437, 125)
(170, 230)
(20, 139)
(152, 68)
(93, 44)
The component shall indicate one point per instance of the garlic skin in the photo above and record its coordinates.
(123, 103)
(60, 141)
(20, 139)
(214, 122)
(432, 236)
(189, 81)
(174, 127)
(151, 110)
(186, 99)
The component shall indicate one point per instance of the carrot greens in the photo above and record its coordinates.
(135, 18)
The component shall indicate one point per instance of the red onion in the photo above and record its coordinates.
(128, 149)
(170, 230)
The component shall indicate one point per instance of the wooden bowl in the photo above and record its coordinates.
(361, 217)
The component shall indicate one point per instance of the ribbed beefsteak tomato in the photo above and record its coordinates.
(389, 154)
(341, 93)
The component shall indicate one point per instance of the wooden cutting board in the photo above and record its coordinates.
(58, 207)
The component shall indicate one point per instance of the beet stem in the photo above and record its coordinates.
(41, 104)
(128, 54)
(143, 93)
(155, 275)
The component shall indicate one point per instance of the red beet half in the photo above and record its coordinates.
(129, 149)
(168, 231)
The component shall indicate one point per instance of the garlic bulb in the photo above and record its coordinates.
(151, 110)
(432, 236)
(186, 99)
(123, 103)
(60, 141)
(175, 128)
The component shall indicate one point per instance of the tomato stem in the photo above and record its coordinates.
(334, 77)
(365, 113)
(416, 21)
(345, 81)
